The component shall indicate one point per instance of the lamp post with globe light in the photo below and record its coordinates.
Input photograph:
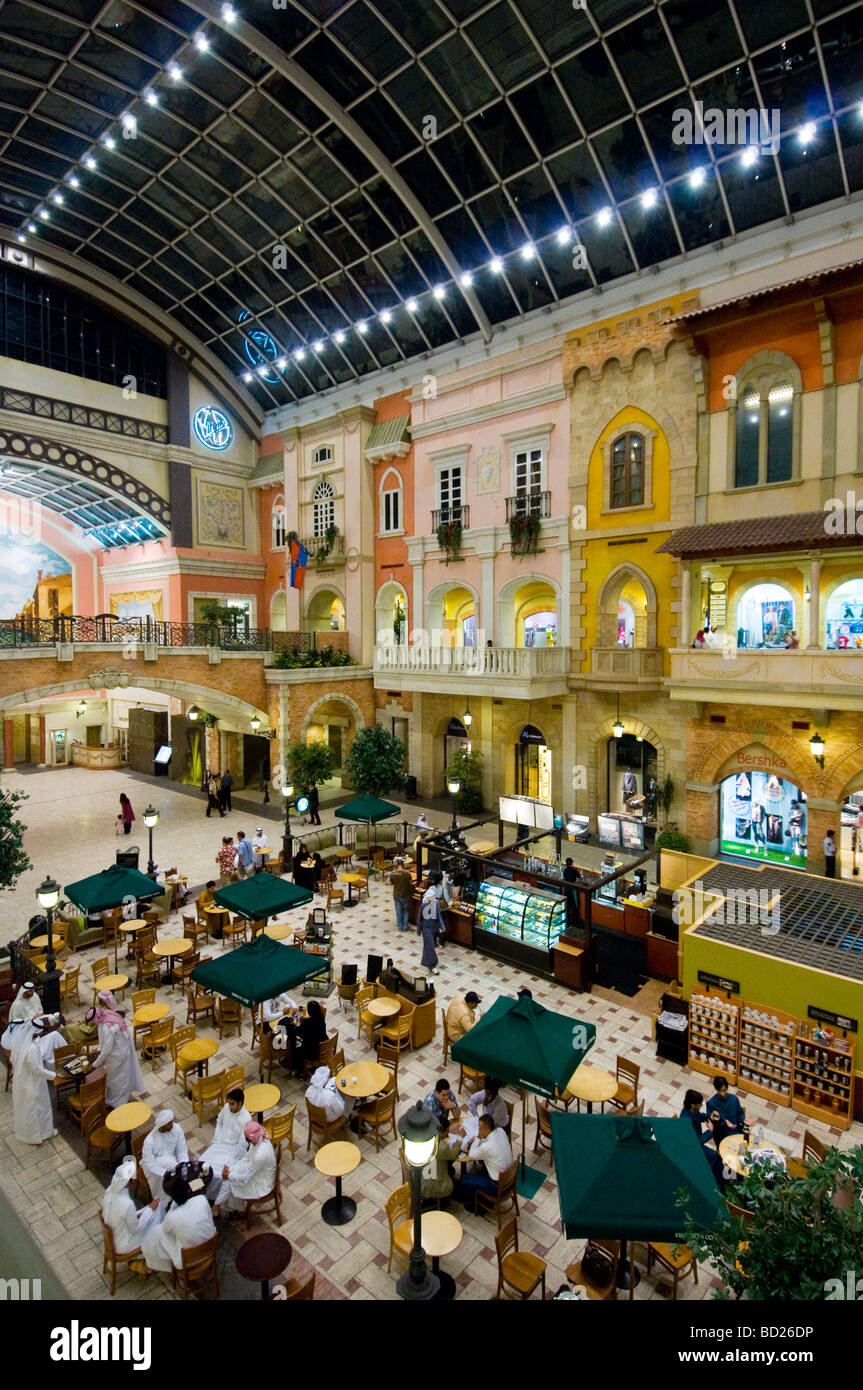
(418, 1128)
(151, 820)
(287, 839)
(48, 894)
(453, 786)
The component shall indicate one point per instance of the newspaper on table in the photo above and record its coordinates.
(679, 1022)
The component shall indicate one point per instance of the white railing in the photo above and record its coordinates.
(484, 661)
(813, 670)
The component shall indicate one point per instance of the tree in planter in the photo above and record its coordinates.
(672, 839)
(466, 766)
(310, 764)
(804, 1233)
(524, 528)
(13, 857)
(376, 762)
(449, 540)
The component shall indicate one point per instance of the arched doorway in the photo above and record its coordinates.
(763, 816)
(325, 612)
(279, 612)
(635, 757)
(452, 613)
(455, 737)
(391, 607)
(529, 614)
(533, 765)
(334, 721)
(765, 616)
(843, 616)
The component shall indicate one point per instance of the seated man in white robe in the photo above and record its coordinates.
(274, 1009)
(25, 1006)
(51, 1037)
(128, 1226)
(188, 1222)
(323, 1092)
(164, 1147)
(253, 1176)
(228, 1145)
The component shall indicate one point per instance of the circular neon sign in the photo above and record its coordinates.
(212, 428)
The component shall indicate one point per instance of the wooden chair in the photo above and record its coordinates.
(398, 1210)
(597, 1292)
(326, 1053)
(149, 967)
(505, 1197)
(336, 895)
(267, 1055)
(199, 1004)
(677, 1259)
(200, 1269)
(99, 1138)
(233, 1079)
(140, 997)
(379, 1115)
(321, 1129)
(233, 929)
(100, 969)
(347, 993)
(515, 1268)
(467, 1076)
(62, 1082)
(229, 1015)
(183, 967)
(92, 1091)
(365, 1021)
(296, 1291)
(742, 1214)
(814, 1151)
(207, 1090)
(362, 888)
(159, 1038)
(396, 1032)
(113, 1257)
(69, 985)
(625, 1097)
(271, 1201)
(446, 1036)
(543, 1128)
(281, 1128)
(178, 1038)
(389, 1057)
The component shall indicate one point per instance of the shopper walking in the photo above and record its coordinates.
(403, 891)
(829, 848)
(226, 859)
(314, 815)
(126, 812)
(213, 797)
(226, 786)
(427, 929)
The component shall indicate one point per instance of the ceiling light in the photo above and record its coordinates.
(603, 217)
(386, 316)
(174, 72)
(438, 292)
(528, 252)
(247, 377)
(201, 41)
(282, 363)
(90, 162)
(229, 14)
(412, 306)
(44, 214)
(21, 236)
(57, 198)
(299, 354)
(362, 328)
(466, 280)
(806, 133)
(340, 336)
(73, 181)
(262, 370)
(496, 266)
(749, 156)
(110, 142)
(151, 97)
(648, 198)
(31, 226)
(564, 236)
(696, 178)
(318, 345)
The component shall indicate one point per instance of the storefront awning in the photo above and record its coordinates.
(825, 530)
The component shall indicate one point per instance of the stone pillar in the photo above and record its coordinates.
(8, 745)
(213, 764)
(821, 816)
(284, 736)
(685, 605)
(43, 741)
(571, 785)
(486, 616)
(814, 601)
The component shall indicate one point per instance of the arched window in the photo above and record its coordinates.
(765, 617)
(843, 616)
(280, 523)
(392, 515)
(764, 421)
(323, 454)
(324, 508)
(627, 471)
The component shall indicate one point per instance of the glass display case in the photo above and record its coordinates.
(516, 922)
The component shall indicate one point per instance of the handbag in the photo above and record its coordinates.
(597, 1265)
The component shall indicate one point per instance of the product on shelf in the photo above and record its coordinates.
(713, 1035)
(514, 911)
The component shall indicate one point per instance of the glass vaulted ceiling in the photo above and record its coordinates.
(533, 136)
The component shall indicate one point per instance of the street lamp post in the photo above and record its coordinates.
(48, 894)
(418, 1128)
(453, 786)
(151, 820)
(287, 839)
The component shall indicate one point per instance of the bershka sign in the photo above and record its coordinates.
(77, 1343)
(762, 758)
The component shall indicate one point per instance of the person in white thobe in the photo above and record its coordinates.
(51, 1038)
(164, 1147)
(228, 1145)
(117, 1055)
(323, 1092)
(128, 1226)
(253, 1176)
(31, 1100)
(274, 1009)
(188, 1223)
(25, 1006)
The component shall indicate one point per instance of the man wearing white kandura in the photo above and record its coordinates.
(32, 1112)
(25, 1006)
(164, 1147)
(188, 1223)
(324, 1093)
(228, 1145)
(128, 1226)
(116, 1052)
(253, 1176)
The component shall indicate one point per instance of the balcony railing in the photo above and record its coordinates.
(458, 515)
(322, 554)
(626, 664)
(534, 503)
(484, 661)
(815, 677)
(71, 413)
(105, 627)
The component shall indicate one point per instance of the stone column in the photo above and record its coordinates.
(213, 763)
(685, 604)
(814, 601)
(486, 616)
(8, 745)
(43, 741)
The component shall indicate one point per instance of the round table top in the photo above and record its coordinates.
(307, 863)
(215, 908)
(361, 1079)
(135, 924)
(264, 1256)
(383, 1007)
(128, 1117)
(150, 1013)
(198, 1050)
(732, 1155)
(173, 946)
(482, 846)
(277, 931)
(40, 943)
(591, 1083)
(261, 1096)
(111, 982)
(441, 1233)
(336, 1160)
(352, 878)
(344, 853)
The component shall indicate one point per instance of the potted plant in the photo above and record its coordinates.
(376, 761)
(524, 528)
(449, 539)
(325, 544)
(466, 767)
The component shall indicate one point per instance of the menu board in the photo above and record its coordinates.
(608, 831)
(633, 834)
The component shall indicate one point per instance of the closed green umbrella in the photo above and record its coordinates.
(370, 809)
(111, 888)
(262, 897)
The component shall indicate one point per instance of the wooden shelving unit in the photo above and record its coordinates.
(714, 1034)
(321, 984)
(767, 1038)
(823, 1079)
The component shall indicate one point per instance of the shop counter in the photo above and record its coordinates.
(569, 963)
(424, 1018)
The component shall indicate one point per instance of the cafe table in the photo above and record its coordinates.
(360, 1079)
(130, 930)
(198, 1050)
(278, 931)
(350, 880)
(218, 917)
(172, 947)
(440, 1234)
(383, 1007)
(336, 1160)
(127, 1118)
(590, 1084)
(344, 854)
(40, 943)
(150, 1013)
(115, 983)
(260, 1097)
(735, 1156)
(262, 1257)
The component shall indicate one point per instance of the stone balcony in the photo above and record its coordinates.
(619, 667)
(812, 678)
(517, 673)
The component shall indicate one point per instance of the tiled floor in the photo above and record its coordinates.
(70, 815)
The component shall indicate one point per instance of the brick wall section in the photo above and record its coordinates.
(301, 697)
(404, 698)
(241, 677)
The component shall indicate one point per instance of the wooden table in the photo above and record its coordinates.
(440, 1234)
(336, 1160)
(350, 880)
(262, 1257)
(482, 846)
(732, 1155)
(221, 915)
(111, 982)
(130, 929)
(590, 1084)
(126, 1118)
(260, 1097)
(383, 1007)
(361, 1079)
(171, 947)
(40, 943)
(278, 931)
(150, 1013)
(198, 1050)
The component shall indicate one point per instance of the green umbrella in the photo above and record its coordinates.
(112, 888)
(260, 970)
(370, 809)
(262, 896)
(618, 1177)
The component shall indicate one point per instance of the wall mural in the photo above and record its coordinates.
(220, 514)
(26, 569)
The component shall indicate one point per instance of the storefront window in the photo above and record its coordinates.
(631, 770)
(843, 616)
(625, 623)
(763, 817)
(533, 765)
(765, 618)
(540, 629)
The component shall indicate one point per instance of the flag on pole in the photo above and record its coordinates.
(299, 560)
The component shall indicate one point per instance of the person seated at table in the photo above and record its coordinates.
(128, 1226)
(524, 993)
(461, 1014)
(205, 897)
(164, 1147)
(303, 877)
(725, 1111)
(318, 869)
(188, 1223)
(703, 1126)
(116, 1052)
(442, 1102)
(254, 1175)
(324, 1093)
(437, 1182)
(307, 1035)
(488, 1102)
(274, 1009)
(490, 1155)
(228, 1144)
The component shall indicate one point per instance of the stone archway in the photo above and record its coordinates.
(182, 690)
(607, 606)
(65, 458)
